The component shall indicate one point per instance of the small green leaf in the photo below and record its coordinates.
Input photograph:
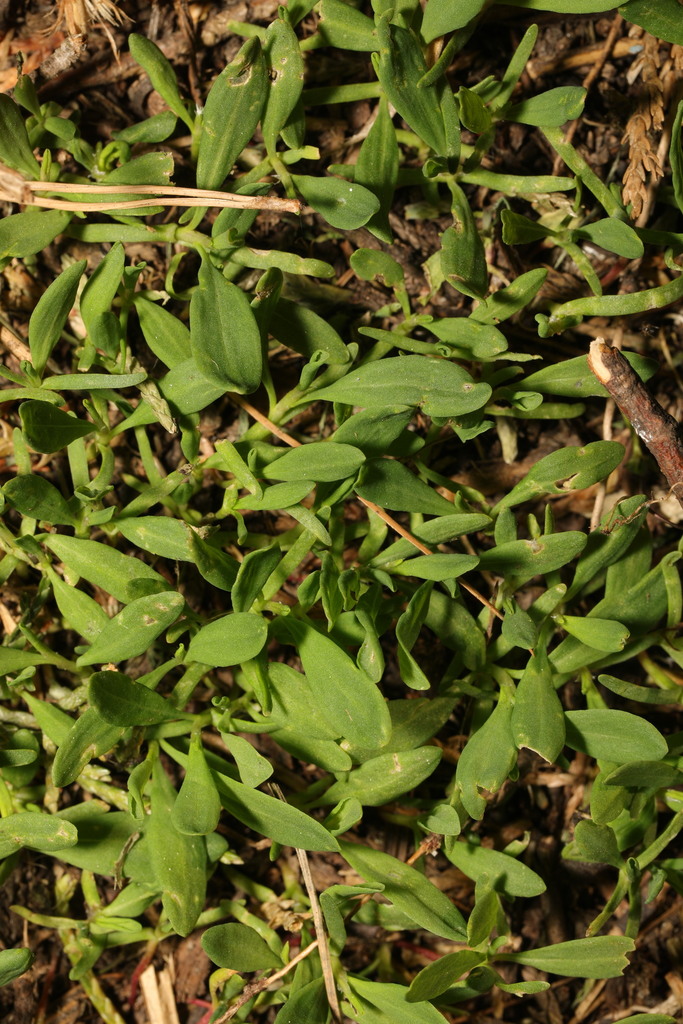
(438, 566)
(238, 947)
(527, 558)
(299, 328)
(408, 889)
(537, 718)
(603, 956)
(463, 260)
(611, 735)
(252, 575)
(321, 461)
(14, 963)
(50, 314)
(439, 387)
(24, 234)
(229, 640)
(226, 341)
(161, 74)
(88, 737)
(120, 575)
(286, 78)
(377, 169)
(134, 629)
(438, 976)
(233, 109)
(350, 702)
(661, 18)
(120, 701)
(567, 469)
(600, 634)
(165, 334)
(488, 758)
(384, 778)
(198, 806)
(549, 109)
(37, 831)
(15, 149)
(345, 27)
(342, 204)
(390, 484)
(508, 875)
(384, 1002)
(35, 497)
(93, 381)
(442, 17)
(47, 429)
(614, 235)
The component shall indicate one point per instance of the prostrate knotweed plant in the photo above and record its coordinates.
(305, 566)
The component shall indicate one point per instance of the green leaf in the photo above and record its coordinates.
(508, 875)
(676, 156)
(238, 947)
(160, 535)
(35, 497)
(614, 235)
(229, 640)
(391, 1003)
(24, 234)
(442, 16)
(407, 631)
(573, 379)
(120, 575)
(399, 66)
(408, 889)
(252, 576)
(286, 79)
(178, 862)
(631, 691)
(50, 314)
(88, 737)
(165, 334)
(161, 74)
(597, 844)
(47, 429)
(463, 260)
(438, 976)
(603, 956)
(187, 389)
(527, 558)
(121, 702)
(305, 1005)
(277, 496)
(349, 700)
(438, 387)
(488, 758)
(78, 610)
(600, 634)
(345, 27)
(93, 381)
(226, 341)
(391, 484)
(135, 628)
(549, 109)
(15, 149)
(273, 818)
(156, 128)
(377, 169)
(253, 768)
(384, 778)
(342, 204)
(299, 328)
(14, 962)
(198, 806)
(466, 336)
(37, 831)
(438, 566)
(661, 18)
(568, 469)
(611, 735)
(537, 718)
(233, 109)
(320, 461)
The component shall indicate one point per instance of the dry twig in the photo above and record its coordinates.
(655, 427)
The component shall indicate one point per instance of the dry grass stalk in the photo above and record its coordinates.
(644, 165)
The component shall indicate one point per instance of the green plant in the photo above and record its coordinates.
(249, 553)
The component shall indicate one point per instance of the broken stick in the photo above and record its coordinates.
(653, 425)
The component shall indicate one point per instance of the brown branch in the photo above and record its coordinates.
(655, 427)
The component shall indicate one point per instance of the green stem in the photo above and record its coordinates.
(576, 163)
